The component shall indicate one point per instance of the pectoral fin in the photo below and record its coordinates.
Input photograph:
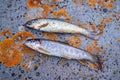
(67, 57)
(83, 62)
(44, 50)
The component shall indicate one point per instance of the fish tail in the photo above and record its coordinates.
(98, 61)
(94, 34)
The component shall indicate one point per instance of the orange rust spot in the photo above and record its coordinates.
(56, 0)
(28, 18)
(82, 25)
(93, 65)
(103, 23)
(108, 4)
(59, 13)
(33, 3)
(93, 26)
(119, 39)
(52, 5)
(20, 36)
(75, 41)
(6, 32)
(12, 53)
(101, 29)
(109, 19)
(93, 49)
(9, 55)
(118, 28)
(51, 36)
(46, 10)
(78, 1)
(22, 79)
(95, 42)
(92, 3)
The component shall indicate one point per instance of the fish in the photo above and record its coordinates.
(59, 26)
(61, 49)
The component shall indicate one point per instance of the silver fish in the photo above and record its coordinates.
(60, 49)
(59, 26)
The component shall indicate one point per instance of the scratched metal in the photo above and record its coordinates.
(13, 13)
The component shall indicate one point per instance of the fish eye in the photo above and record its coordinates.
(29, 23)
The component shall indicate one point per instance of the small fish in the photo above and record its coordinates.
(61, 49)
(59, 26)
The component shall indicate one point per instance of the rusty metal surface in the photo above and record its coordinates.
(13, 13)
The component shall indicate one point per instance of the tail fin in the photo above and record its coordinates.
(94, 34)
(98, 61)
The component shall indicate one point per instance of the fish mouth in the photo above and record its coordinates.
(26, 25)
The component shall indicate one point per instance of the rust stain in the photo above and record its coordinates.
(93, 27)
(104, 3)
(59, 13)
(33, 3)
(82, 25)
(51, 36)
(75, 41)
(101, 29)
(92, 3)
(12, 53)
(90, 49)
(78, 1)
(7, 32)
(95, 42)
(93, 65)
(119, 39)
(93, 49)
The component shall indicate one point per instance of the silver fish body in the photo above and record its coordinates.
(59, 26)
(59, 49)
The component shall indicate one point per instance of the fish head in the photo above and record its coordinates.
(30, 24)
(33, 44)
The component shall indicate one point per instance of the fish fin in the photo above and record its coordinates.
(83, 62)
(98, 61)
(44, 50)
(94, 34)
(67, 57)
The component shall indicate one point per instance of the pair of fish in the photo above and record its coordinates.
(59, 49)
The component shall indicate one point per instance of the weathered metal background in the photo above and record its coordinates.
(13, 13)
